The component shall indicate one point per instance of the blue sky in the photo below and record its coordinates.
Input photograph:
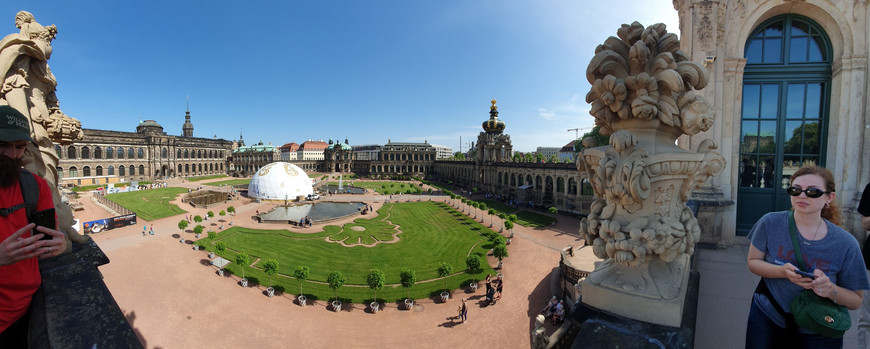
(369, 71)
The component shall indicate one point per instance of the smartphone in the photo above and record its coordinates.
(805, 274)
(45, 218)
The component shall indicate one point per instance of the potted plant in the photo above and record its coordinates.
(335, 281)
(500, 251)
(182, 224)
(270, 267)
(197, 230)
(376, 281)
(301, 273)
(197, 219)
(220, 247)
(211, 235)
(444, 270)
(242, 260)
(509, 226)
(222, 213)
(408, 278)
(210, 214)
(473, 264)
(231, 210)
(491, 213)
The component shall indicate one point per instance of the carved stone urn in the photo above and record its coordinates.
(643, 97)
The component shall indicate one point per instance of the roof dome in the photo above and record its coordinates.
(280, 181)
(493, 125)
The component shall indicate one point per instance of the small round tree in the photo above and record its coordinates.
(408, 278)
(552, 210)
(210, 214)
(491, 213)
(376, 281)
(512, 218)
(500, 251)
(231, 210)
(222, 213)
(197, 219)
(335, 280)
(444, 270)
(198, 229)
(211, 235)
(242, 260)
(270, 267)
(473, 264)
(301, 273)
(220, 247)
(509, 225)
(182, 224)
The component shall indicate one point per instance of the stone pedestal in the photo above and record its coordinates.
(708, 205)
(602, 329)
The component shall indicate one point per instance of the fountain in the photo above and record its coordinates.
(317, 212)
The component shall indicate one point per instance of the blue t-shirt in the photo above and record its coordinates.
(837, 254)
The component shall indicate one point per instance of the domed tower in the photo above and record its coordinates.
(187, 128)
(492, 144)
(493, 125)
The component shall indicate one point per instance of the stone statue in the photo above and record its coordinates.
(29, 86)
(643, 97)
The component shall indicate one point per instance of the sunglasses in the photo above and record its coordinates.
(811, 192)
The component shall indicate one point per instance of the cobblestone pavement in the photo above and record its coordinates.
(173, 297)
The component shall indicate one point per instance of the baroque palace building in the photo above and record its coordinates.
(149, 153)
(492, 170)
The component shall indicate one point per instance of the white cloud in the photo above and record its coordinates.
(546, 113)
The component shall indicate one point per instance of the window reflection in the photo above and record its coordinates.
(747, 169)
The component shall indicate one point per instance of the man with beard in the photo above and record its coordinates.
(20, 244)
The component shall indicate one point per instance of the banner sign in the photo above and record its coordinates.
(108, 223)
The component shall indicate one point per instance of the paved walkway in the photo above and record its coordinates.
(174, 299)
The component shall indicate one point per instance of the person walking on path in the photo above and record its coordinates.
(498, 287)
(152, 230)
(463, 311)
(864, 314)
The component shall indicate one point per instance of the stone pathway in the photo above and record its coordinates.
(174, 298)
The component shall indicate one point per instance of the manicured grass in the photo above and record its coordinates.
(230, 182)
(499, 207)
(150, 204)
(196, 179)
(386, 188)
(313, 175)
(431, 233)
(92, 187)
(531, 219)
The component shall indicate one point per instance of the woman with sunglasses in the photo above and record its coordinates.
(832, 255)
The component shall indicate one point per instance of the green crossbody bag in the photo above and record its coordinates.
(812, 312)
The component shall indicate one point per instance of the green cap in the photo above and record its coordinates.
(14, 126)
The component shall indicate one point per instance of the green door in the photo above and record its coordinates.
(786, 93)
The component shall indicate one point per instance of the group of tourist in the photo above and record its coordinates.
(554, 308)
(493, 288)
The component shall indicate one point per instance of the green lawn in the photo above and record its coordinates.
(431, 233)
(202, 178)
(531, 219)
(150, 204)
(499, 207)
(230, 182)
(386, 188)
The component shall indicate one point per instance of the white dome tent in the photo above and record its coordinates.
(280, 181)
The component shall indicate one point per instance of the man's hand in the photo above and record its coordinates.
(15, 248)
(52, 247)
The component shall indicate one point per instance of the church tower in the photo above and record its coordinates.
(187, 128)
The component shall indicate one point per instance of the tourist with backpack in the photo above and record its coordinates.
(21, 194)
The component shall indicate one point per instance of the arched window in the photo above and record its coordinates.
(132, 169)
(98, 153)
(539, 183)
(86, 153)
(199, 154)
(186, 168)
(120, 153)
(73, 172)
(513, 180)
(59, 172)
(58, 151)
(71, 152)
(86, 171)
(164, 153)
(586, 187)
(529, 180)
(178, 154)
(99, 170)
(110, 153)
(200, 167)
(130, 155)
(186, 154)
(110, 170)
(572, 186)
(560, 185)
(141, 170)
(121, 170)
(179, 168)
(784, 112)
(141, 155)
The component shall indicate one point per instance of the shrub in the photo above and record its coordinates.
(444, 270)
(301, 273)
(270, 267)
(408, 278)
(335, 280)
(376, 281)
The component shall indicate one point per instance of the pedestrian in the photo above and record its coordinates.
(832, 255)
(21, 246)
(488, 282)
(463, 311)
(144, 229)
(499, 286)
(151, 231)
(864, 314)
(559, 314)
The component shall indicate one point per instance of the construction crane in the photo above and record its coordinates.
(576, 132)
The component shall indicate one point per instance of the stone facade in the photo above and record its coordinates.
(247, 160)
(398, 158)
(147, 154)
(338, 157)
(722, 35)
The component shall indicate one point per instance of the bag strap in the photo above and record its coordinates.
(794, 240)
(30, 193)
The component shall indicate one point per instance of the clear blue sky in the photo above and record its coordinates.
(369, 71)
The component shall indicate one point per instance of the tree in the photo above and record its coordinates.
(197, 219)
(301, 273)
(444, 270)
(182, 224)
(483, 206)
(539, 158)
(408, 278)
(552, 159)
(491, 213)
(376, 281)
(512, 218)
(222, 213)
(242, 260)
(270, 267)
(553, 210)
(335, 281)
(210, 214)
(211, 235)
(231, 210)
(509, 225)
(529, 157)
(198, 229)
(473, 264)
(500, 251)
(220, 247)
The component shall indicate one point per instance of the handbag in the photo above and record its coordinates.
(812, 312)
